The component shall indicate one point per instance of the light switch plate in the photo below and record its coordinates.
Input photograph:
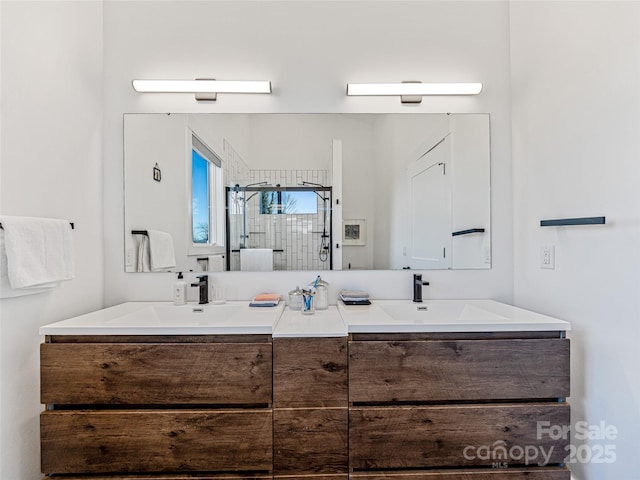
(129, 258)
(548, 257)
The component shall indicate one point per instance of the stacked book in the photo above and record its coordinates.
(265, 300)
(354, 297)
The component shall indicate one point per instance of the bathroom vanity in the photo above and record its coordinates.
(456, 390)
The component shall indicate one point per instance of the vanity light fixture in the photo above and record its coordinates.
(412, 91)
(205, 89)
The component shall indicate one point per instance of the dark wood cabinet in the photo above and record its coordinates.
(366, 407)
(471, 405)
(142, 440)
(310, 372)
(540, 473)
(448, 370)
(156, 373)
(153, 406)
(310, 377)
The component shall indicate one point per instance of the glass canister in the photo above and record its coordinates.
(322, 294)
(295, 299)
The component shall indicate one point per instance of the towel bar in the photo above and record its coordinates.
(467, 232)
(573, 221)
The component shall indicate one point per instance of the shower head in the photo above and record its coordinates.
(251, 196)
(257, 183)
(312, 184)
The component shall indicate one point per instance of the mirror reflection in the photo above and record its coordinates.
(256, 192)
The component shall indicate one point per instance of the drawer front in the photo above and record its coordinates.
(310, 441)
(538, 473)
(310, 372)
(418, 371)
(165, 476)
(460, 435)
(332, 476)
(156, 441)
(156, 374)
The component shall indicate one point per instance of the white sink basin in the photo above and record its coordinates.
(196, 313)
(235, 316)
(438, 312)
(151, 318)
(404, 316)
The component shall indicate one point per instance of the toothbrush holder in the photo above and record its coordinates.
(308, 305)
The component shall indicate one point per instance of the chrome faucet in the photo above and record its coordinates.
(203, 285)
(417, 287)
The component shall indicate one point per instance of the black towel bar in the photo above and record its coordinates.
(573, 221)
(275, 250)
(467, 232)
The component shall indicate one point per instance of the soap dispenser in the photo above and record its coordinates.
(180, 291)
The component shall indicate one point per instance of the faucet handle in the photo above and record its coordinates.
(417, 277)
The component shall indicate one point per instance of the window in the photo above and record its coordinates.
(206, 195)
(274, 202)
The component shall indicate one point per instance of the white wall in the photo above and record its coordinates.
(576, 151)
(309, 50)
(51, 165)
(575, 102)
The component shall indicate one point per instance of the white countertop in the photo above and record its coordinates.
(383, 316)
(403, 316)
(323, 323)
(164, 318)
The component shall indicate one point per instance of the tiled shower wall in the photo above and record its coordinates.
(235, 168)
(296, 239)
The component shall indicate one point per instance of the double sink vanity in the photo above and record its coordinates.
(443, 390)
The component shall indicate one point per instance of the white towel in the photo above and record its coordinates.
(6, 291)
(216, 263)
(143, 254)
(39, 251)
(256, 259)
(161, 252)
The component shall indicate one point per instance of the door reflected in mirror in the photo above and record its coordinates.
(284, 187)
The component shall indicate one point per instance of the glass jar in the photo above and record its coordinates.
(295, 299)
(322, 295)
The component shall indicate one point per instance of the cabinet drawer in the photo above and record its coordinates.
(460, 435)
(332, 476)
(537, 473)
(162, 476)
(130, 441)
(310, 372)
(419, 371)
(156, 374)
(310, 441)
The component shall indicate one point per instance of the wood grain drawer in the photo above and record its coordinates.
(332, 476)
(421, 371)
(538, 473)
(133, 441)
(310, 441)
(186, 476)
(156, 373)
(447, 436)
(310, 372)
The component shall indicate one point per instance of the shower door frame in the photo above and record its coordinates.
(277, 188)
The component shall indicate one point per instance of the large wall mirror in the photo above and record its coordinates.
(255, 192)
